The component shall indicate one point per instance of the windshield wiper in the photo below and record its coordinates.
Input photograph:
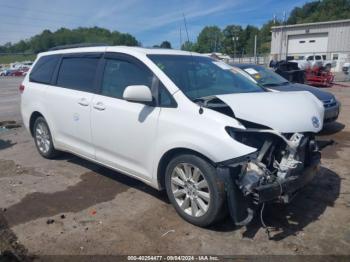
(204, 100)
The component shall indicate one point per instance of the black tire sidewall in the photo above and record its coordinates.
(217, 198)
(52, 151)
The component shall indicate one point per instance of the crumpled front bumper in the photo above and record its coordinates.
(290, 184)
(242, 207)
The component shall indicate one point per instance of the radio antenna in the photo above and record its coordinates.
(185, 22)
(180, 37)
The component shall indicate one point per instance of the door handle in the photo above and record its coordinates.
(83, 102)
(99, 106)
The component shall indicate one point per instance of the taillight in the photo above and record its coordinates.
(21, 88)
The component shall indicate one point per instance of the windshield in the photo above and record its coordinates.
(301, 57)
(202, 76)
(265, 77)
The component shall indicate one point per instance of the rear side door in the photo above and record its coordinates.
(124, 132)
(69, 102)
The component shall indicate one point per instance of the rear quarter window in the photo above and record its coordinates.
(44, 69)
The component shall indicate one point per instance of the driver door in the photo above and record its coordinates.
(123, 132)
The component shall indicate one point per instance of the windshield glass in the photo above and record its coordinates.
(301, 57)
(265, 77)
(202, 76)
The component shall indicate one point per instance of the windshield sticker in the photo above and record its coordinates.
(251, 71)
(257, 76)
(222, 65)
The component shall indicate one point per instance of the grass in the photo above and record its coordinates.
(7, 59)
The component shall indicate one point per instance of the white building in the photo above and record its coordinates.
(330, 38)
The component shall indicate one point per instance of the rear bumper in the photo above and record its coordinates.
(289, 185)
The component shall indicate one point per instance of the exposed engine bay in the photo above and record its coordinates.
(279, 157)
(283, 163)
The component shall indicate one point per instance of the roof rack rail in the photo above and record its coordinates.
(60, 47)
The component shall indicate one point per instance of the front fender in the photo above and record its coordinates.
(203, 133)
(214, 148)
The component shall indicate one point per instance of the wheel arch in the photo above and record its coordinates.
(32, 119)
(167, 156)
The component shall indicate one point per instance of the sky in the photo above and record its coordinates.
(150, 21)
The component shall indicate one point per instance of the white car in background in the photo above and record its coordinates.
(175, 120)
(346, 68)
(4, 72)
(311, 60)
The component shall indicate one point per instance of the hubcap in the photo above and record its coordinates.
(190, 189)
(42, 138)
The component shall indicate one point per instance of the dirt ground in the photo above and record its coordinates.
(71, 206)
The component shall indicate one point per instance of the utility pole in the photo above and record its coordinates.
(282, 32)
(284, 25)
(234, 38)
(234, 47)
(255, 42)
(216, 36)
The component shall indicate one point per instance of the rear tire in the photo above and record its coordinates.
(194, 190)
(43, 139)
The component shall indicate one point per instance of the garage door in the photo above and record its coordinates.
(307, 43)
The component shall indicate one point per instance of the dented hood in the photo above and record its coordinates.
(286, 112)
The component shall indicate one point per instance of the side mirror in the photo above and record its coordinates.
(138, 93)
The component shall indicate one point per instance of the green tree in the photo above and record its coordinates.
(209, 40)
(188, 46)
(20, 47)
(165, 44)
(264, 36)
(64, 36)
(248, 39)
(233, 39)
(318, 11)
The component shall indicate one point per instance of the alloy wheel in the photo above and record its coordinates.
(42, 138)
(190, 189)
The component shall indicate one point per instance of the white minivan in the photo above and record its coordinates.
(178, 121)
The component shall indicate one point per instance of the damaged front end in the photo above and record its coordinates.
(287, 155)
(282, 164)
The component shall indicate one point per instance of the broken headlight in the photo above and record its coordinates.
(249, 138)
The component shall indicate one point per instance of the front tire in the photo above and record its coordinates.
(43, 139)
(194, 190)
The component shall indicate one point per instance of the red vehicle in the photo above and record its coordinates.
(319, 76)
(18, 73)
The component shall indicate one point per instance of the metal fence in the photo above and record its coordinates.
(250, 59)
